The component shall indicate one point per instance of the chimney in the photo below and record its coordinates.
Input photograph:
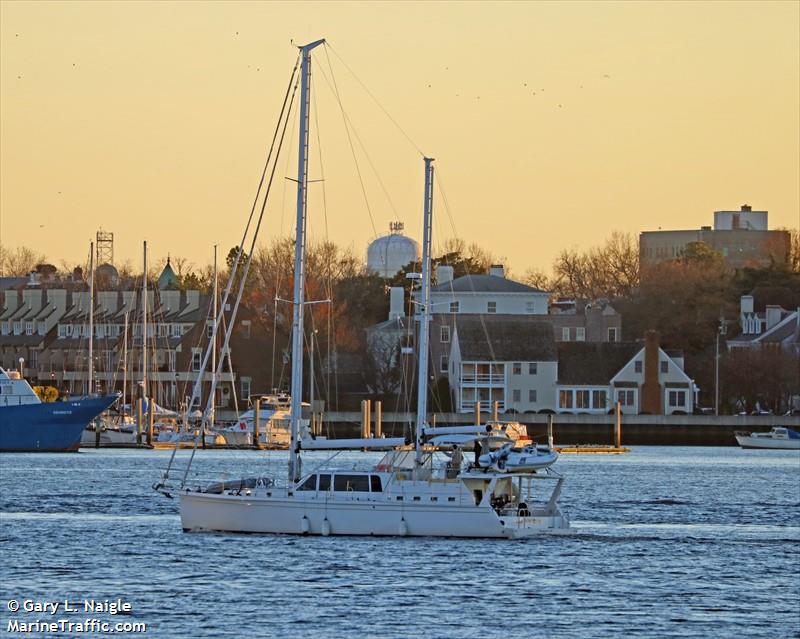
(773, 315)
(746, 304)
(444, 274)
(396, 303)
(651, 389)
(497, 270)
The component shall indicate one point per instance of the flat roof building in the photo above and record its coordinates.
(741, 237)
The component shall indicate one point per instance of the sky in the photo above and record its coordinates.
(552, 124)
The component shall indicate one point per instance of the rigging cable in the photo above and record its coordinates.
(369, 93)
(352, 151)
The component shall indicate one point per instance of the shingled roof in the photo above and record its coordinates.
(485, 339)
(483, 284)
(593, 362)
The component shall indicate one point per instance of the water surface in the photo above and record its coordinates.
(666, 542)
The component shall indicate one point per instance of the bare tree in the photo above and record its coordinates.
(19, 261)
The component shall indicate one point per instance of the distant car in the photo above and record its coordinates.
(703, 410)
(761, 412)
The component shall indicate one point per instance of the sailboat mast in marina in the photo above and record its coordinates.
(299, 260)
(408, 492)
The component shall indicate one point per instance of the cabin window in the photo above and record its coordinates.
(348, 483)
(375, 484)
(324, 483)
(309, 484)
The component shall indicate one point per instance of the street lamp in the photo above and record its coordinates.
(722, 329)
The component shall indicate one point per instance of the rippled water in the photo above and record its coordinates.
(667, 542)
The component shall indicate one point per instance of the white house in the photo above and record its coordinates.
(509, 361)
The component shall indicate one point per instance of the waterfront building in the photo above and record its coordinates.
(741, 237)
(46, 325)
(493, 295)
(519, 364)
(768, 325)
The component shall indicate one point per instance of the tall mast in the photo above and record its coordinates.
(424, 314)
(91, 316)
(214, 338)
(124, 362)
(144, 323)
(299, 260)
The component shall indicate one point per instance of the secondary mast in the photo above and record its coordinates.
(299, 260)
(91, 316)
(424, 314)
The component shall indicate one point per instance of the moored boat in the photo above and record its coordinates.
(779, 437)
(29, 425)
(407, 493)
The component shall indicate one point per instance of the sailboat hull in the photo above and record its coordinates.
(288, 515)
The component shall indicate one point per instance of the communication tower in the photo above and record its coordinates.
(105, 247)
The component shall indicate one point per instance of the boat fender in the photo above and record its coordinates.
(403, 528)
(305, 525)
(326, 527)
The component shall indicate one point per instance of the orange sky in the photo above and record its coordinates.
(552, 123)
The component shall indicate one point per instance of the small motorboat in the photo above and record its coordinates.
(779, 437)
(527, 459)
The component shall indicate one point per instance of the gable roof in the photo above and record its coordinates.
(486, 339)
(593, 362)
(484, 284)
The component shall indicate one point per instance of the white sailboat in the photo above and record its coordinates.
(407, 493)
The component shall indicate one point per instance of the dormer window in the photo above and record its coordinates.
(491, 307)
(637, 366)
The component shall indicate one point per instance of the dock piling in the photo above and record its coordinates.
(257, 418)
(378, 419)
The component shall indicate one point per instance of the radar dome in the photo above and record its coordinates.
(390, 253)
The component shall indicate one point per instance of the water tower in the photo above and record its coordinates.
(390, 253)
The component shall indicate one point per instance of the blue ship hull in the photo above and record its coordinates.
(49, 427)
